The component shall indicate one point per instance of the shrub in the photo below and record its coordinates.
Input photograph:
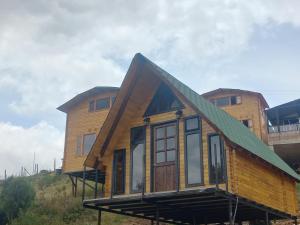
(17, 195)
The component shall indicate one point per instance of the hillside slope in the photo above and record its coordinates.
(54, 205)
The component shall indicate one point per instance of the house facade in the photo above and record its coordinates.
(169, 155)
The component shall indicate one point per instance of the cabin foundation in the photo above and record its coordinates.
(199, 206)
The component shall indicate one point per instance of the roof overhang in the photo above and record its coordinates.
(84, 95)
(235, 91)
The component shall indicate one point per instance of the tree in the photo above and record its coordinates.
(17, 195)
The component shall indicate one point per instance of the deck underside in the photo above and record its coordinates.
(187, 207)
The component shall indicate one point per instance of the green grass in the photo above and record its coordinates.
(55, 205)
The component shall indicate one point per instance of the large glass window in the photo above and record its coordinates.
(88, 141)
(119, 172)
(163, 101)
(216, 160)
(137, 158)
(193, 148)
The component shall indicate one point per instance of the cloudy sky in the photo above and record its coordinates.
(53, 50)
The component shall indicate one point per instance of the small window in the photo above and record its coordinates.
(102, 103)
(78, 145)
(192, 124)
(222, 102)
(88, 141)
(92, 106)
(235, 100)
(119, 172)
(247, 123)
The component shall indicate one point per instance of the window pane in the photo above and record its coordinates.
(160, 157)
(193, 159)
(92, 106)
(160, 133)
(192, 124)
(160, 145)
(222, 101)
(88, 141)
(163, 101)
(102, 103)
(137, 168)
(137, 135)
(171, 155)
(171, 131)
(216, 160)
(119, 169)
(170, 143)
(233, 100)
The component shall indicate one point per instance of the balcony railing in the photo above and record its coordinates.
(284, 128)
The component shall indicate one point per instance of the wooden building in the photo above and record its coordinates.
(85, 114)
(170, 155)
(246, 106)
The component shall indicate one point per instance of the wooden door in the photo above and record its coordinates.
(165, 156)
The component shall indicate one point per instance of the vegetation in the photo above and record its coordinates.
(53, 203)
(16, 196)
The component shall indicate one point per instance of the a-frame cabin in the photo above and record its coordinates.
(169, 155)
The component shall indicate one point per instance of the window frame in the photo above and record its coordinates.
(82, 144)
(113, 183)
(108, 99)
(238, 102)
(223, 159)
(144, 159)
(190, 132)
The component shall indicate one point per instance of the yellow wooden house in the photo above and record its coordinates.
(170, 155)
(85, 114)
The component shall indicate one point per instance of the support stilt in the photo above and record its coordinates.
(267, 218)
(83, 184)
(230, 213)
(157, 216)
(99, 217)
(296, 221)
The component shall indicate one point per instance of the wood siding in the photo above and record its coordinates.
(251, 108)
(80, 122)
(255, 180)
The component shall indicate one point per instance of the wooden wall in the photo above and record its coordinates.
(79, 123)
(250, 108)
(256, 180)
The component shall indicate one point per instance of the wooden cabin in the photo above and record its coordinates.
(246, 106)
(85, 114)
(169, 155)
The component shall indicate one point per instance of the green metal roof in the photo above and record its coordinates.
(234, 130)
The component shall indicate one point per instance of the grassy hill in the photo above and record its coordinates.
(54, 205)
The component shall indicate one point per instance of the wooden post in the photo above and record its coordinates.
(152, 222)
(75, 187)
(96, 184)
(5, 175)
(83, 183)
(296, 221)
(99, 217)
(267, 219)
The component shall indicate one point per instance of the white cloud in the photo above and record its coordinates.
(18, 145)
(50, 50)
